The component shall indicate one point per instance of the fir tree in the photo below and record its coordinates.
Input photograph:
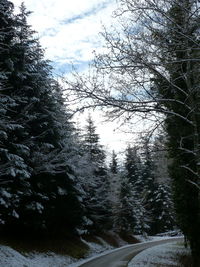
(133, 166)
(43, 185)
(114, 163)
(125, 220)
(97, 184)
(132, 215)
(163, 219)
(114, 195)
(15, 173)
(157, 197)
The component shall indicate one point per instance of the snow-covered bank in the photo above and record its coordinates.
(12, 258)
(150, 240)
(166, 254)
(97, 255)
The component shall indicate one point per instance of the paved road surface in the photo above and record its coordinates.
(121, 257)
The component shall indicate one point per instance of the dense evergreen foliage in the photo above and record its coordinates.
(37, 186)
(98, 187)
(138, 217)
(54, 178)
(145, 205)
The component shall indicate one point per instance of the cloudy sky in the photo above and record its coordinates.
(69, 31)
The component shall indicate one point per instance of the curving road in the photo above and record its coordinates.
(121, 257)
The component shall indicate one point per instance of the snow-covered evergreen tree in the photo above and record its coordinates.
(15, 173)
(114, 174)
(163, 210)
(41, 187)
(114, 163)
(114, 180)
(133, 166)
(125, 219)
(157, 196)
(164, 213)
(96, 181)
(132, 216)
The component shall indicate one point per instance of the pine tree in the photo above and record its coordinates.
(125, 220)
(114, 174)
(97, 184)
(114, 180)
(163, 211)
(43, 187)
(133, 166)
(114, 163)
(132, 215)
(15, 173)
(157, 196)
(53, 180)
(179, 51)
(164, 218)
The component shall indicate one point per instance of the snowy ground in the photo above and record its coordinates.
(166, 255)
(11, 258)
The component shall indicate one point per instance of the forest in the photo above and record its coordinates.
(56, 177)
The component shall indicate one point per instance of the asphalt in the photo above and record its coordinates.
(121, 257)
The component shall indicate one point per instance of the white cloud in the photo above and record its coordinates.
(69, 30)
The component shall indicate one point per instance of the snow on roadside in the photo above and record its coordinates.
(77, 264)
(166, 254)
(163, 236)
(11, 258)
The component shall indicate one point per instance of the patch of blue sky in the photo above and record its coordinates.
(63, 68)
(49, 32)
(91, 12)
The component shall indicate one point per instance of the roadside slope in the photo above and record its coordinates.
(168, 254)
(33, 252)
(120, 257)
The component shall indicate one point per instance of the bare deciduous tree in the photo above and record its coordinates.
(150, 67)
